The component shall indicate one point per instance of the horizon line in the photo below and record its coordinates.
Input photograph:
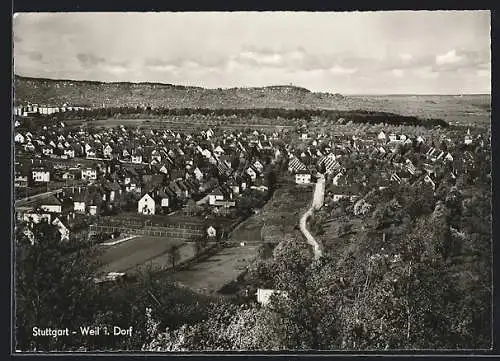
(250, 87)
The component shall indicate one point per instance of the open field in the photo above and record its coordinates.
(213, 273)
(186, 252)
(280, 217)
(128, 255)
(160, 123)
(454, 109)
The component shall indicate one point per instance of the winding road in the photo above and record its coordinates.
(317, 202)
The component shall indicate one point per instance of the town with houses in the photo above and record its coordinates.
(68, 176)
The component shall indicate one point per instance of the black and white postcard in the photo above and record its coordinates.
(252, 181)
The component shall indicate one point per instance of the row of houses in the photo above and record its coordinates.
(419, 163)
(165, 169)
(33, 109)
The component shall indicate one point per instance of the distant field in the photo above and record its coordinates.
(466, 109)
(159, 123)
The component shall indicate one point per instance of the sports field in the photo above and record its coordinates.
(126, 256)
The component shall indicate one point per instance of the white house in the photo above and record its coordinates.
(218, 151)
(47, 150)
(107, 151)
(215, 196)
(381, 136)
(302, 178)
(146, 205)
(155, 155)
(251, 173)
(137, 158)
(211, 232)
(29, 146)
(91, 153)
(36, 217)
(264, 295)
(79, 206)
(41, 175)
(20, 181)
(165, 201)
(338, 197)
(89, 174)
(19, 138)
(52, 205)
(70, 153)
(468, 138)
(206, 153)
(198, 174)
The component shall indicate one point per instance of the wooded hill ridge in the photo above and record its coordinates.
(113, 94)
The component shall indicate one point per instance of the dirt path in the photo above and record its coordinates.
(317, 202)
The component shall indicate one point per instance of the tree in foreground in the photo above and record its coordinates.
(54, 288)
(402, 296)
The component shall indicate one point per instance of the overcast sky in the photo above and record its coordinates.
(409, 52)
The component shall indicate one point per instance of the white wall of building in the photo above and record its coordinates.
(146, 205)
(302, 178)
